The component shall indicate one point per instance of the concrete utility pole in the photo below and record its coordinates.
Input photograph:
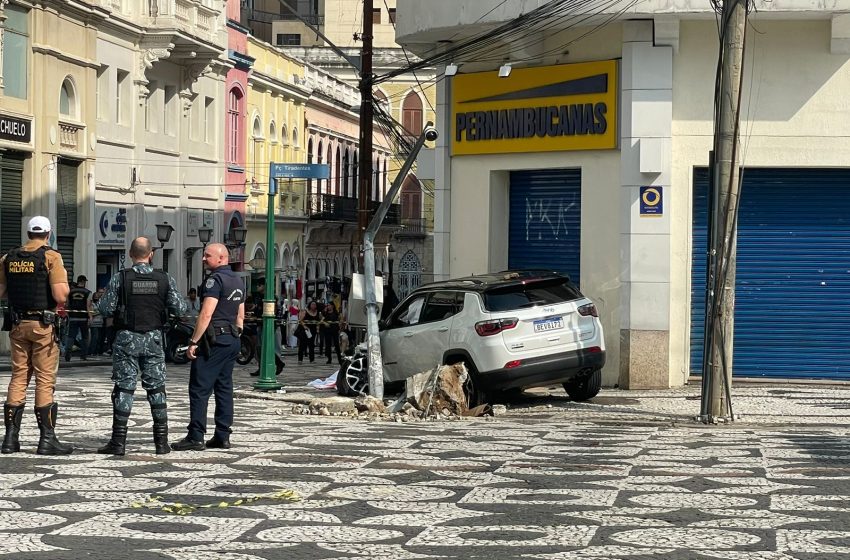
(366, 118)
(727, 191)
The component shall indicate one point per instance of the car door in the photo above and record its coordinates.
(395, 342)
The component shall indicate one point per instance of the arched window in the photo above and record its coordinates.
(68, 99)
(295, 137)
(234, 130)
(257, 133)
(411, 201)
(272, 132)
(356, 181)
(330, 165)
(411, 114)
(338, 167)
(284, 135)
(346, 173)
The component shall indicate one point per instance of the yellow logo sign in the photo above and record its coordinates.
(546, 109)
(21, 267)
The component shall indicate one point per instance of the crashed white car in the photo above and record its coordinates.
(513, 330)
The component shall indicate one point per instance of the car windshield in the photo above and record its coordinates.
(542, 292)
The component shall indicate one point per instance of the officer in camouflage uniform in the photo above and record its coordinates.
(139, 299)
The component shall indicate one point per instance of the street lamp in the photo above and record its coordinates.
(163, 234)
(204, 236)
(238, 235)
(391, 259)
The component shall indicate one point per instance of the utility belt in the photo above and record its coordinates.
(227, 329)
(46, 317)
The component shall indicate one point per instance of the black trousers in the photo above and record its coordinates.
(305, 344)
(208, 376)
(331, 340)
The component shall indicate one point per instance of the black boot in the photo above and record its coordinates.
(12, 415)
(160, 438)
(48, 444)
(278, 362)
(116, 445)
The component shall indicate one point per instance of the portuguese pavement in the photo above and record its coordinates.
(629, 475)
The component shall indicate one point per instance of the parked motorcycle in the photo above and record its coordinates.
(178, 332)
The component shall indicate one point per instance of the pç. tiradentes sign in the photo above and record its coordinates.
(543, 109)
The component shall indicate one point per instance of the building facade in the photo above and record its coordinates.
(161, 70)
(627, 219)
(47, 124)
(277, 98)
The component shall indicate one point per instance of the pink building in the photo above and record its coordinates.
(235, 103)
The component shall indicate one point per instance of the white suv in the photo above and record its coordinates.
(513, 330)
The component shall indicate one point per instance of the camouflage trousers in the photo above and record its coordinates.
(135, 355)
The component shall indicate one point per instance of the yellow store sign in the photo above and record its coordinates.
(546, 109)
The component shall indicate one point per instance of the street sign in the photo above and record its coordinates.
(651, 202)
(299, 171)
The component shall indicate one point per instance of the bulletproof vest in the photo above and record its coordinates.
(232, 296)
(27, 280)
(142, 299)
(77, 299)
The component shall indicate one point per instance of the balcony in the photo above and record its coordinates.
(69, 137)
(190, 16)
(411, 228)
(333, 208)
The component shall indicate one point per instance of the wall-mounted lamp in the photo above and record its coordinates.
(505, 70)
(451, 69)
(237, 235)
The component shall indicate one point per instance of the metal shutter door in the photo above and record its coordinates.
(792, 311)
(11, 183)
(545, 221)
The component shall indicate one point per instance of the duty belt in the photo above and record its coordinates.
(30, 315)
(224, 330)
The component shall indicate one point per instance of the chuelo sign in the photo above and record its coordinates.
(15, 130)
(545, 109)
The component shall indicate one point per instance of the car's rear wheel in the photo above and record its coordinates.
(585, 387)
(353, 378)
(475, 395)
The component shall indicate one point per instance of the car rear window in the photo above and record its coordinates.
(519, 296)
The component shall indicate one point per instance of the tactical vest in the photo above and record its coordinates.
(27, 280)
(232, 296)
(77, 300)
(141, 301)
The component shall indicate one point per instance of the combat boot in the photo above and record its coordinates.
(116, 445)
(160, 437)
(12, 415)
(48, 444)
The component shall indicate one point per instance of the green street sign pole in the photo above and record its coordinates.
(268, 380)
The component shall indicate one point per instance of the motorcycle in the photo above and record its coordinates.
(178, 332)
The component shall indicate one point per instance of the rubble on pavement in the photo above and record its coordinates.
(432, 395)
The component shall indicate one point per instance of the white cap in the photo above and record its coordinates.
(39, 224)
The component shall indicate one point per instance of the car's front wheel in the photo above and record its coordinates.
(585, 387)
(353, 378)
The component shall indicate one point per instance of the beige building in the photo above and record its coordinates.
(277, 97)
(47, 124)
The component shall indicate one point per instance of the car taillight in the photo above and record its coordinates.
(489, 328)
(588, 310)
(512, 364)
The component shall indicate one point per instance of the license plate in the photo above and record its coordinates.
(546, 325)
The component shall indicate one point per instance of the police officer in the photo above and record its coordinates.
(79, 316)
(35, 280)
(220, 324)
(139, 299)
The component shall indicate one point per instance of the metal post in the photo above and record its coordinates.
(268, 380)
(376, 370)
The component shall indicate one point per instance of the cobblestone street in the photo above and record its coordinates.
(628, 475)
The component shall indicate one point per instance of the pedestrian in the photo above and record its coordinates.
(97, 326)
(308, 329)
(220, 325)
(79, 318)
(331, 332)
(139, 300)
(35, 281)
(194, 302)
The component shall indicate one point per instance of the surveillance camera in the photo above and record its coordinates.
(431, 134)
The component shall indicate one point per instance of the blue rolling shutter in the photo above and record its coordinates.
(792, 307)
(545, 221)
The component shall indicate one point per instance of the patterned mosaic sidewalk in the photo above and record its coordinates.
(534, 484)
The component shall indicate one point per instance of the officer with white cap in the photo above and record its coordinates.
(34, 279)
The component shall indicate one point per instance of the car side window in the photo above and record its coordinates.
(440, 306)
(459, 297)
(410, 314)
